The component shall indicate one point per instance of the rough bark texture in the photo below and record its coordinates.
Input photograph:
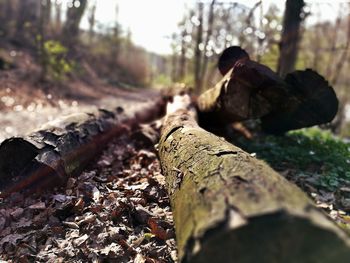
(248, 91)
(230, 207)
(62, 148)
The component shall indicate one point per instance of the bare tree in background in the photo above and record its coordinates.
(343, 58)
(7, 9)
(209, 33)
(182, 60)
(27, 19)
(58, 16)
(198, 52)
(290, 36)
(92, 21)
(333, 48)
(46, 12)
(115, 38)
(73, 18)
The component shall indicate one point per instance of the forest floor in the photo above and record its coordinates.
(315, 160)
(118, 210)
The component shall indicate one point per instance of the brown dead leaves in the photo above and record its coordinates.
(117, 211)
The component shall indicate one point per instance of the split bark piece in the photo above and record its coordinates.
(230, 207)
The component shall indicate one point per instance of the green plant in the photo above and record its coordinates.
(309, 151)
(55, 60)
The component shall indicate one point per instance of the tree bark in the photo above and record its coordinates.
(46, 158)
(230, 207)
(290, 37)
(251, 90)
(248, 91)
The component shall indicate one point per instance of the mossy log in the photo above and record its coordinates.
(62, 148)
(230, 207)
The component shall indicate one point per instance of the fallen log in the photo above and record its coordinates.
(311, 101)
(230, 207)
(250, 90)
(47, 157)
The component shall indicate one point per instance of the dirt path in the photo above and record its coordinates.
(20, 116)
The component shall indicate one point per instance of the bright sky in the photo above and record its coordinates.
(153, 21)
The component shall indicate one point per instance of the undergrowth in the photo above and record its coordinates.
(309, 151)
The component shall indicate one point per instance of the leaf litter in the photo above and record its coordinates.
(118, 210)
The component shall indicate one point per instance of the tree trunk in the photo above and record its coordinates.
(92, 20)
(290, 37)
(343, 58)
(27, 20)
(71, 26)
(207, 38)
(10, 23)
(198, 51)
(247, 91)
(182, 61)
(332, 55)
(43, 28)
(230, 207)
(47, 12)
(58, 18)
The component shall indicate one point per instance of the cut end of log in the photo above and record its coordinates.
(313, 102)
(15, 154)
(276, 237)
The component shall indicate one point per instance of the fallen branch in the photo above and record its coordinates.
(46, 158)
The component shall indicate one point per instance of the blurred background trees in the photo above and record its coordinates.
(51, 31)
(291, 35)
(285, 35)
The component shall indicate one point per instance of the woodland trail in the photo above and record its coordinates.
(20, 118)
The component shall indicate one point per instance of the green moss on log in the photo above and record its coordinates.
(230, 207)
